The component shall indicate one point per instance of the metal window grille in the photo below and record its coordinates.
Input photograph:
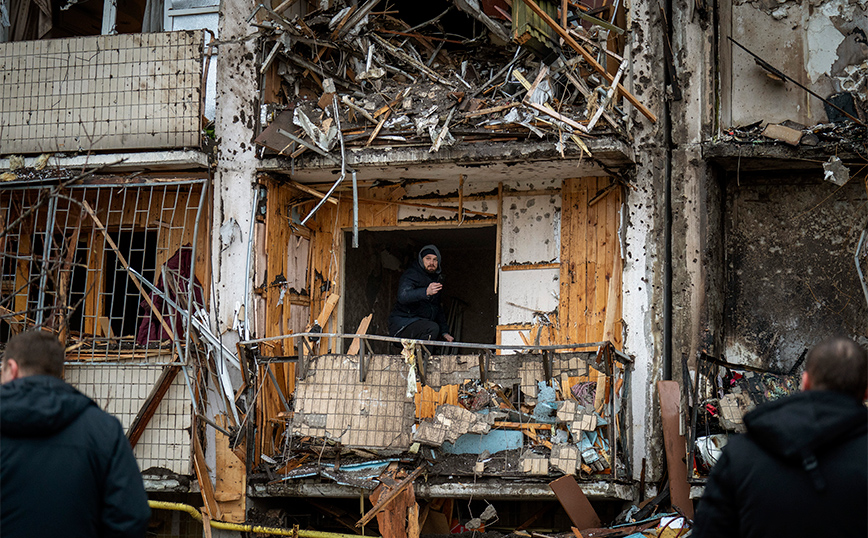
(80, 261)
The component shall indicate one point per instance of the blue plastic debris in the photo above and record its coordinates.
(493, 441)
(547, 405)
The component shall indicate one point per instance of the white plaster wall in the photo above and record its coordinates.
(530, 289)
(511, 338)
(236, 159)
(806, 41)
(531, 229)
(196, 22)
(639, 338)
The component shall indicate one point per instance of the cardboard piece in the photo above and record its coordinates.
(575, 503)
(669, 393)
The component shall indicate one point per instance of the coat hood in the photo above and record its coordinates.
(797, 428)
(39, 406)
(439, 258)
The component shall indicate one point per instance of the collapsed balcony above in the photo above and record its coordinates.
(346, 85)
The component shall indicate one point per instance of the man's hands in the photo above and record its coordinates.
(433, 289)
(448, 337)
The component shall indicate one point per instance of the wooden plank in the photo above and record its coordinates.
(578, 254)
(592, 61)
(575, 503)
(531, 432)
(93, 307)
(362, 329)
(567, 262)
(522, 425)
(602, 262)
(413, 525)
(22, 272)
(515, 327)
(312, 192)
(205, 485)
(613, 298)
(105, 327)
(669, 393)
(530, 266)
(231, 486)
(149, 407)
(383, 501)
(615, 202)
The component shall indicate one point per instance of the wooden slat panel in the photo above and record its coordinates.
(602, 264)
(589, 247)
(591, 243)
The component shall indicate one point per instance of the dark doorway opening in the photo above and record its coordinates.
(372, 272)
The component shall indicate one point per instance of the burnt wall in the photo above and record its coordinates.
(790, 275)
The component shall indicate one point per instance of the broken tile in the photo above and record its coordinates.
(534, 464)
(565, 458)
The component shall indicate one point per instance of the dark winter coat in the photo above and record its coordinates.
(66, 468)
(800, 471)
(414, 304)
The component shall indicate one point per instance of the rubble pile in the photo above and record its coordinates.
(534, 416)
(844, 134)
(352, 77)
(724, 393)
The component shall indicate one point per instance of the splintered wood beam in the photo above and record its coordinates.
(523, 425)
(560, 117)
(384, 501)
(363, 329)
(146, 413)
(205, 484)
(531, 432)
(312, 192)
(568, 39)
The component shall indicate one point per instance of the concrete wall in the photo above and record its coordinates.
(790, 269)
(815, 43)
(644, 236)
(236, 159)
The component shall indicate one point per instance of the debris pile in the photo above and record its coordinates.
(352, 77)
(720, 398)
(527, 415)
(844, 135)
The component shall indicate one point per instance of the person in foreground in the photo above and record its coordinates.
(802, 468)
(417, 313)
(66, 467)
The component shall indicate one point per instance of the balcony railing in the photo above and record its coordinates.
(101, 93)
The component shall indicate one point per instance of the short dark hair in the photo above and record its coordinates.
(37, 353)
(839, 364)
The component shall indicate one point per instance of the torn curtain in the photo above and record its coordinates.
(174, 281)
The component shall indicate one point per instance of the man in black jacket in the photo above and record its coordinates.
(66, 468)
(802, 468)
(417, 313)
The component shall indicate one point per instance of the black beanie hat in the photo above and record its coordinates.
(427, 251)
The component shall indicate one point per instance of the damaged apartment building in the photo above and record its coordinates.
(647, 212)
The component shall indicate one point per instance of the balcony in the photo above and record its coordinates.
(131, 92)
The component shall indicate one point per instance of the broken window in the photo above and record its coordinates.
(102, 265)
